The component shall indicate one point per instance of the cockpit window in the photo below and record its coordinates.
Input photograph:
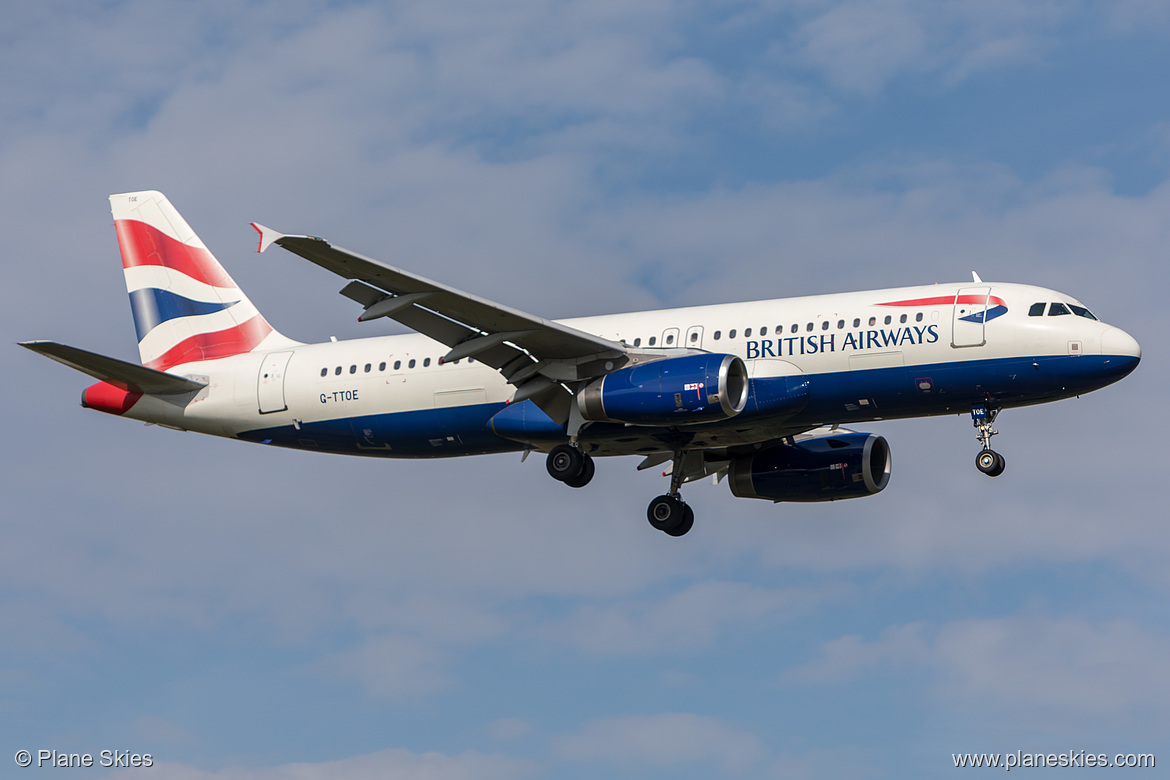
(1056, 309)
(1081, 311)
(1037, 310)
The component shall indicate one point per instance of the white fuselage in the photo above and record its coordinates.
(839, 340)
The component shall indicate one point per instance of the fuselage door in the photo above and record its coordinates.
(270, 382)
(969, 317)
(694, 339)
(670, 338)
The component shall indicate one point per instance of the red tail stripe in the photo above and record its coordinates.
(142, 244)
(208, 346)
(948, 299)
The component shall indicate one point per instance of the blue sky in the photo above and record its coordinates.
(239, 612)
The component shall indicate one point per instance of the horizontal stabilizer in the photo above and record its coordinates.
(119, 373)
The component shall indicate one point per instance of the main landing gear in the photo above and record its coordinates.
(669, 513)
(567, 463)
(988, 460)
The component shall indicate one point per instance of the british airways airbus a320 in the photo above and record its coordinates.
(754, 392)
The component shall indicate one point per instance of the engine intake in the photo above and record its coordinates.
(673, 391)
(826, 468)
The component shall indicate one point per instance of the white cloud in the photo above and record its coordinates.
(1024, 669)
(509, 728)
(663, 740)
(850, 656)
(691, 618)
(153, 730)
(390, 667)
(860, 47)
(398, 764)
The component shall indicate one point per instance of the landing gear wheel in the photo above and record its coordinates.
(990, 463)
(999, 468)
(565, 462)
(687, 523)
(588, 468)
(668, 513)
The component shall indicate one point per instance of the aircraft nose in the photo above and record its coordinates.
(1116, 341)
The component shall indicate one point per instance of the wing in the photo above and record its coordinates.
(541, 358)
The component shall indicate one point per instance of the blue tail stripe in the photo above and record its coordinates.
(152, 306)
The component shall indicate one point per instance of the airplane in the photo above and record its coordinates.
(755, 393)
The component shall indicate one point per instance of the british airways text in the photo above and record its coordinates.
(828, 342)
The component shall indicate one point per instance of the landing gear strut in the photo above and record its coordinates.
(988, 460)
(567, 463)
(669, 513)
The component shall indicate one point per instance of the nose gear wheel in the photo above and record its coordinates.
(988, 460)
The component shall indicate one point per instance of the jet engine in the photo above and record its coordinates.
(673, 391)
(825, 468)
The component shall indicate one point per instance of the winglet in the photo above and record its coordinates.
(975, 278)
(267, 236)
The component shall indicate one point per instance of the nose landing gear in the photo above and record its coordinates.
(988, 460)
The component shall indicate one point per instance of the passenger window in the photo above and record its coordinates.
(337, 371)
(397, 364)
(731, 333)
(716, 335)
(918, 317)
(747, 334)
(410, 364)
(888, 319)
(426, 362)
(670, 338)
(1057, 309)
(840, 324)
(902, 318)
(694, 337)
(873, 321)
(795, 327)
(779, 329)
(1037, 310)
(638, 341)
(825, 325)
(368, 367)
(808, 327)
(1081, 311)
(353, 369)
(381, 366)
(470, 360)
(857, 322)
(324, 372)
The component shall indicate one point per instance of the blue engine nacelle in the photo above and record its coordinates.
(673, 391)
(826, 468)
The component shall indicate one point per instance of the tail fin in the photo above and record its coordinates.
(186, 307)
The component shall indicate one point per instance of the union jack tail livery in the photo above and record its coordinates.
(186, 307)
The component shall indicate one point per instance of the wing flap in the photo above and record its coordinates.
(119, 373)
